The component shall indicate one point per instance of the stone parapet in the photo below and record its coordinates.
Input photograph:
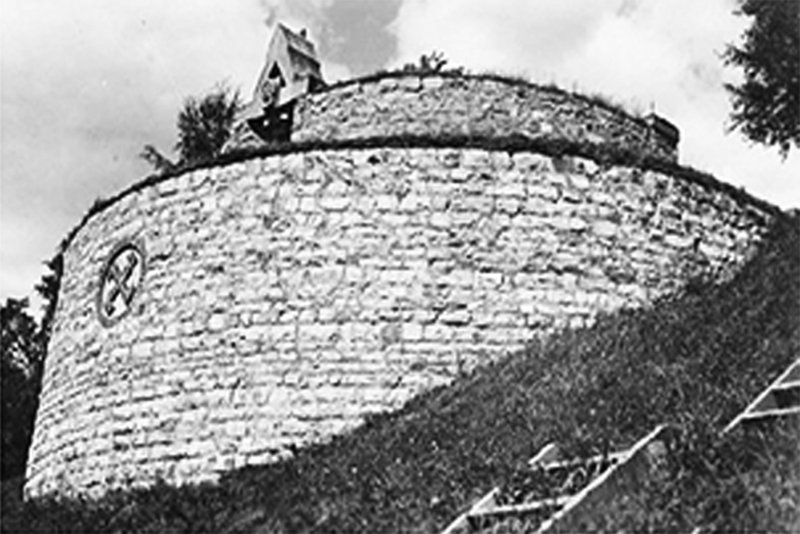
(482, 106)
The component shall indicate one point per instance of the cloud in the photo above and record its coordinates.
(357, 33)
(309, 15)
(659, 54)
(86, 84)
(305, 13)
(503, 34)
(351, 36)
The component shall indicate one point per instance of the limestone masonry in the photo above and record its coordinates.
(219, 318)
(437, 105)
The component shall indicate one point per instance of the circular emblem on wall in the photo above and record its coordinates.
(120, 281)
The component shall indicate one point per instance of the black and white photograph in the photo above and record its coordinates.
(400, 266)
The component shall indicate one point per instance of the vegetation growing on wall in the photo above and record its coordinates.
(204, 125)
(430, 63)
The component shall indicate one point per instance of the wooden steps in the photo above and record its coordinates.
(556, 494)
(779, 400)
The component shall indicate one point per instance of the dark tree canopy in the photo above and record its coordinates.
(204, 125)
(18, 334)
(48, 289)
(21, 357)
(23, 349)
(766, 106)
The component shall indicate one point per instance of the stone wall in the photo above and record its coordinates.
(285, 297)
(440, 106)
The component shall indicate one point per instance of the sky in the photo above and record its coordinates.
(85, 84)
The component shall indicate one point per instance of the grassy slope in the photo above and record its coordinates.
(747, 482)
(695, 360)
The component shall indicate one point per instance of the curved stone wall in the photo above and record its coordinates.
(440, 106)
(277, 301)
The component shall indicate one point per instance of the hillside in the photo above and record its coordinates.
(695, 359)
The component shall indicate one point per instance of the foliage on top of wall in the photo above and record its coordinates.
(603, 155)
(428, 64)
(595, 99)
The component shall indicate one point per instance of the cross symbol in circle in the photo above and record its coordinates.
(122, 277)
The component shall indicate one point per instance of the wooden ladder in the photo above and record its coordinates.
(564, 495)
(779, 400)
(557, 494)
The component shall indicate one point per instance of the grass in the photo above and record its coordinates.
(747, 482)
(695, 360)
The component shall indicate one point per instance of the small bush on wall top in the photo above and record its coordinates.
(433, 62)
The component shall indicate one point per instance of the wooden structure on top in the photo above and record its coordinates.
(291, 70)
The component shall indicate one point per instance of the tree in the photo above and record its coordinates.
(48, 289)
(23, 349)
(21, 357)
(204, 125)
(766, 106)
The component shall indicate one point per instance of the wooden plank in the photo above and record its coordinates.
(461, 523)
(787, 375)
(548, 454)
(521, 509)
(793, 374)
(789, 384)
(622, 477)
(770, 414)
(766, 403)
(613, 457)
(492, 520)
